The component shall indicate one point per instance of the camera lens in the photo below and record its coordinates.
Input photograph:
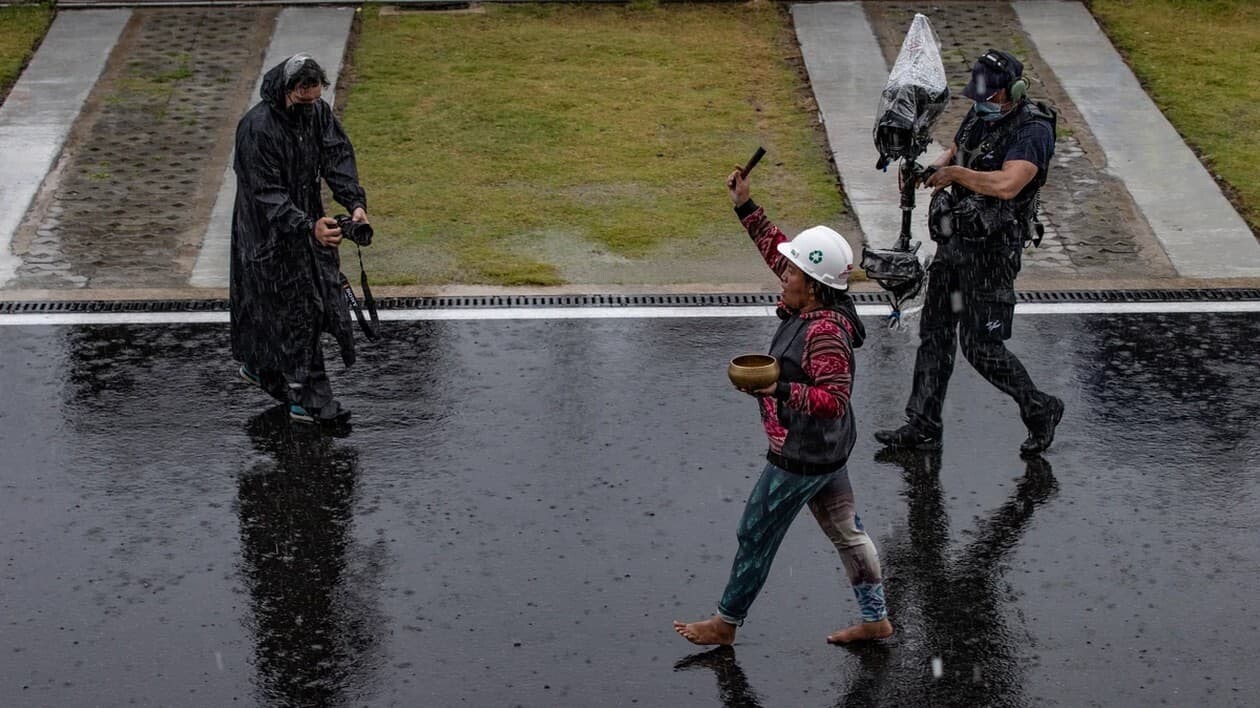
(360, 233)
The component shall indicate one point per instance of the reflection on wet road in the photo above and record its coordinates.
(312, 592)
(521, 508)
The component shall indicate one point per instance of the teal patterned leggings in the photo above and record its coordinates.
(773, 504)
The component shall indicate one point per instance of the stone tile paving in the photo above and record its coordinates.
(128, 200)
(1093, 228)
(127, 203)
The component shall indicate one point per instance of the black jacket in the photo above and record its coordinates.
(811, 407)
(1027, 133)
(285, 286)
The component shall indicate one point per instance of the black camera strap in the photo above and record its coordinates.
(367, 298)
(369, 330)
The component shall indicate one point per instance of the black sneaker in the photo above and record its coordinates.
(247, 374)
(332, 414)
(909, 437)
(1041, 433)
(300, 414)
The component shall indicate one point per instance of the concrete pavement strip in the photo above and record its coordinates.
(319, 31)
(1205, 238)
(1199, 229)
(41, 108)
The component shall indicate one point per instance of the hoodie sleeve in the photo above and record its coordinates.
(828, 361)
(338, 165)
(258, 164)
(764, 234)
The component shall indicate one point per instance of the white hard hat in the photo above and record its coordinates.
(822, 254)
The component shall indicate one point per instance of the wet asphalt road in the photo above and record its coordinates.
(523, 507)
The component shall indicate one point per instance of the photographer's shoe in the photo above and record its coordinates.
(909, 437)
(332, 413)
(249, 376)
(1041, 432)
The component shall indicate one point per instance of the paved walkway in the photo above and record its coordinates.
(129, 199)
(1093, 227)
(1199, 233)
(37, 116)
(1181, 228)
(322, 32)
(847, 74)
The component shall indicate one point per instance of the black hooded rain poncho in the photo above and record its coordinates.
(285, 286)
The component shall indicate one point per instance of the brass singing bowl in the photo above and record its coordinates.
(753, 371)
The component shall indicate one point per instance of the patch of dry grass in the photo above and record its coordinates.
(21, 28)
(480, 136)
(1198, 59)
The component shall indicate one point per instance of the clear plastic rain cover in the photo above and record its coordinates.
(914, 97)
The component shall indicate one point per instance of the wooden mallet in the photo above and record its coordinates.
(752, 162)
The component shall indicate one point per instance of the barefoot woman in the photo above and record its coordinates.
(809, 421)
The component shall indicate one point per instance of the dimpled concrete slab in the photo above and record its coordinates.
(321, 32)
(1126, 197)
(127, 201)
(1093, 227)
(40, 110)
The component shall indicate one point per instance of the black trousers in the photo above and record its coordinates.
(970, 296)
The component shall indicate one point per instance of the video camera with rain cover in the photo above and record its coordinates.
(913, 99)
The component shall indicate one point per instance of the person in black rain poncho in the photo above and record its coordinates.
(286, 271)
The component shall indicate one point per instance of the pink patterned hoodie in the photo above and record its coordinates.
(809, 419)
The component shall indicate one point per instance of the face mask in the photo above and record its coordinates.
(301, 110)
(987, 110)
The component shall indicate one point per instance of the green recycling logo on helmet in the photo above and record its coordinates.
(822, 254)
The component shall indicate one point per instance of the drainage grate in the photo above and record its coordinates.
(596, 300)
(108, 306)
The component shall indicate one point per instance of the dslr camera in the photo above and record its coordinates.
(357, 231)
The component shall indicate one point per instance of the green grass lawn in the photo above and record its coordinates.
(497, 146)
(21, 28)
(1198, 60)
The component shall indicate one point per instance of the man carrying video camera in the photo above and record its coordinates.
(286, 282)
(983, 212)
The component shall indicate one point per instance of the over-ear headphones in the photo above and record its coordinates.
(1017, 86)
(1018, 89)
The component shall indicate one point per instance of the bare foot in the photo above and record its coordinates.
(711, 631)
(882, 629)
